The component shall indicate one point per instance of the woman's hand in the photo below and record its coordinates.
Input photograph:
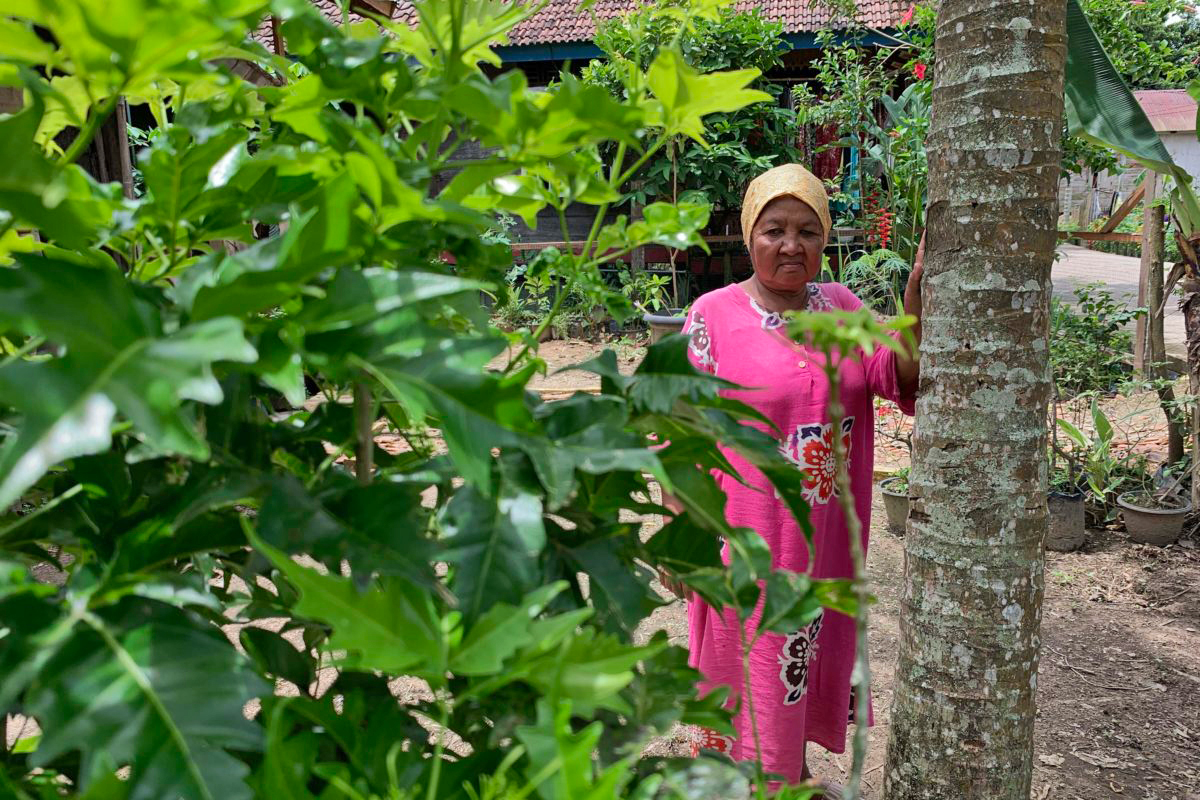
(912, 292)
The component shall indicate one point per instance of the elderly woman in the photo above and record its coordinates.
(800, 681)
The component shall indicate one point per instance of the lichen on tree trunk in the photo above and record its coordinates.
(963, 711)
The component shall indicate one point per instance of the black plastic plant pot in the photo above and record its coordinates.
(1067, 529)
(895, 501)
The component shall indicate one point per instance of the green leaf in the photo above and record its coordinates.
(135, 685)
(359, 296)
(392, 626)
(1194, 91)
(790, 604)
(1076, 435)
(77, 425)
(500, 632)
(177, 170)
(1104, 428)
(476, 410)
(18, 42)
(552, 742)
(64, 204)
(684, 96)
(493, 545)
(1101, 108)
(276, 656)
(683, 546)
(116, 355)
(67, 105)
(666, 376)
(590, 670)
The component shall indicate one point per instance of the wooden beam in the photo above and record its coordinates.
(383, 8)
(12, 99)
(1095, 236)
(1121, 213)
(722, 239)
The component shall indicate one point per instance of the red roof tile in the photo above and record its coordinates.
(1169, 110)
(560, 20)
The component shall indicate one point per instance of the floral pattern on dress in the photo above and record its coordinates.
(795, 658)
(701, 343)
(810, 447)
(817, 301)
(708, 739)
(773, 320)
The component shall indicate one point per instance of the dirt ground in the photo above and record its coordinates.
(1119, 683)
(1118, 714)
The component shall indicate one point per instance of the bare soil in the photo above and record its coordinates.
(1118, 714)
(560, 354)
(1119, 682)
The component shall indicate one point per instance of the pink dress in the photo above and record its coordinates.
(800, 681)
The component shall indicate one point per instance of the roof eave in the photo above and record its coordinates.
(582, 50)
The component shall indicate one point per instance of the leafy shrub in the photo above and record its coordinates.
(484, 565)
(741, 144)
(647, 291)
(878, 278)
(1090, 344)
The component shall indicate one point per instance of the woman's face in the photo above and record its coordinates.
(786, 244)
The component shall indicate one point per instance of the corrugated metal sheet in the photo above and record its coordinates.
(1169, 110)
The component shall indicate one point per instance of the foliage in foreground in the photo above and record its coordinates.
(1090, 341)
(438, 593)
(740, 144)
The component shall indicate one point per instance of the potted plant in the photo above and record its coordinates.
(661, 323)
(895, 500)
(1065, 499)
(1154, 512)
(1092, 456)
(893, 425)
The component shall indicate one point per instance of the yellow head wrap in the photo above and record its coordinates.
(786, 179)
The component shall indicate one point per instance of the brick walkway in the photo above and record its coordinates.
(1077, 266)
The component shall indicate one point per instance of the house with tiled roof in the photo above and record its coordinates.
(561, 36)
(561, 33)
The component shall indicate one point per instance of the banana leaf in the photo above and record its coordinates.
(1101, 109)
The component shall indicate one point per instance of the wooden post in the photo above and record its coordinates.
(637, 259)
(1145, 323)
(124, 162)
(1085, 208)
(276, 36)
(1153, 246)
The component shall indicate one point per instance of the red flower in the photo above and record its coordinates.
(919, 71)
(908, 16)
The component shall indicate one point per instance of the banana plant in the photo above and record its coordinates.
(1100, 108)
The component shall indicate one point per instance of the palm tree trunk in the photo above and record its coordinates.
(963, 711)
